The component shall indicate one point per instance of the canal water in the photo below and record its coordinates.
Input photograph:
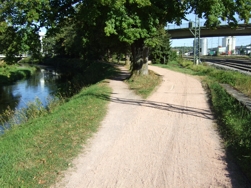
(41, 85)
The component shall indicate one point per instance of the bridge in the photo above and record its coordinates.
(182, 31)
(2, 56)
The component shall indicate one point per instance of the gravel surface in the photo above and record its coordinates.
(168, 140)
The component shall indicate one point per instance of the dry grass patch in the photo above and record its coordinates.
(144, 85)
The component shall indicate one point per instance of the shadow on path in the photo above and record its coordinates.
(238, 179)
(196, 112)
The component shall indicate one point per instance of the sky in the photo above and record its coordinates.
(212, 41)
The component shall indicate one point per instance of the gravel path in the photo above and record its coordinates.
(168, 140)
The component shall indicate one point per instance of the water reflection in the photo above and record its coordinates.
(41, 85)
(8, 98)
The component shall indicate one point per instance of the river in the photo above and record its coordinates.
(41, 85)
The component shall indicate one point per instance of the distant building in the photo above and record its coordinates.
(41, 36)
(222, 50)
(203, 46)
(243, 50)
(229, 43)
(248, 49)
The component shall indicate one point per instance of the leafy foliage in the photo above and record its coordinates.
(161, 52)
(90, 28)
(234, 120)
(12, 73)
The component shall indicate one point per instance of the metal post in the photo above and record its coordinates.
(199, 49)
(194, 51)
(195, 30)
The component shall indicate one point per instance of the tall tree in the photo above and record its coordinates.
(161, 52)
(131, 23)
(21, 20)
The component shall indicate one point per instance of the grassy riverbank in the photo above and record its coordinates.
(34, 154)
(12, 73)
(233, 118)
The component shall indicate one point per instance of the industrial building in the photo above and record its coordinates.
(203, 46)
(229, 43)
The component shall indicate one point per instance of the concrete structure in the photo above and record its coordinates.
(41, 36)
(229, 43)
(248, 49)
(222, 30)
(222, 50)
(203, 46)
(243, 50)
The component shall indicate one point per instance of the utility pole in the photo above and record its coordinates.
(184, 48)
(195, 30)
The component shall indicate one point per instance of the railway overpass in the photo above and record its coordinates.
(182, 31)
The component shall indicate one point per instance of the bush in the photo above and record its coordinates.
(29, 60)
(12, 73)
(172, 56)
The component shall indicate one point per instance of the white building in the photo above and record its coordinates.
(229, 43)
(203, 46)
(222, 50)
(41, 36)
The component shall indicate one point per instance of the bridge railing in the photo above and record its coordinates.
(186, 25)
(23, 55)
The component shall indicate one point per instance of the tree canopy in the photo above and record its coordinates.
(99, 25)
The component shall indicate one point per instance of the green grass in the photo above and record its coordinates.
(234, 120)
(145, 84)
(35, 153)
(234, 124)
(237, 80)
(33, 110)
(12, 73)
(175, 66)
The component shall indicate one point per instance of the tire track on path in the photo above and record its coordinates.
(167, 140)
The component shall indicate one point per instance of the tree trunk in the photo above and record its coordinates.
(127, 59)
(139, 58)
(109, 56)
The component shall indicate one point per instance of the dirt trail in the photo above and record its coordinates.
(168, 140)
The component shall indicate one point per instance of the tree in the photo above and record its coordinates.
(66, 42)
(136, 23)
(132, 23)
(161, 52)
(21, 20)
(242, 51)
